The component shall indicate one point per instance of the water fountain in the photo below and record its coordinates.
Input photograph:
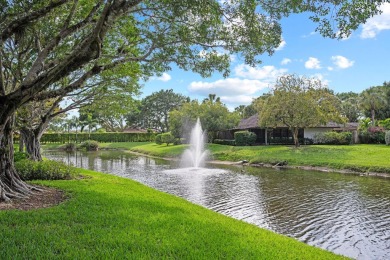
(196, 155)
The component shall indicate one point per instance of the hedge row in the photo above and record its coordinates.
(99, 137)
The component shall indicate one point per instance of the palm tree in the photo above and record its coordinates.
(372, 99)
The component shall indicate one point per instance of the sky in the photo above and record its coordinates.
(353, 64)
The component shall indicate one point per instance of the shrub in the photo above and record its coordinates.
(18, 156)
(44, 170)
(387, 137)
(224, 142)
(90, 145)
(251, 138)
(333, 138)
(167, 138)
(244, 138)
(373, 135)
(179, 141)
(158, 139)
(70, 147)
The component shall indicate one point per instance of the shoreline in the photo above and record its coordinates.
(265, 165)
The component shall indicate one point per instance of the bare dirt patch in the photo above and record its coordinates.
(45, 198)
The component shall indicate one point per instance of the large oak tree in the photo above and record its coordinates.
(43, 42)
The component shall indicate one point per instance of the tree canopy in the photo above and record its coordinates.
(298, 102)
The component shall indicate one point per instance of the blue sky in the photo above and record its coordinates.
(352, 64)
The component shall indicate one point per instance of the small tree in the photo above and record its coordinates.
(167, 138)
(299, 102)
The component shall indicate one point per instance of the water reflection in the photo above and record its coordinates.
(348, 215)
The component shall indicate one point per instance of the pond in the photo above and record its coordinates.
(346, 214)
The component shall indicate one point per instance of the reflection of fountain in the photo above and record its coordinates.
(195, 156)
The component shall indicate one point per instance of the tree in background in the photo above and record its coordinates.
(299, 102)
(213, 114)
(372, 100)
(156, 107)
(350, 105)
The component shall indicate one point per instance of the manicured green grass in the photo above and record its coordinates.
(109, 217)
(354, 157)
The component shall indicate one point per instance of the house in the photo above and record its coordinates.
(283, 135)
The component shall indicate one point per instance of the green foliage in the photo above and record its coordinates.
(224, 142)
(213, 114)
(90, 145)
(333, 138)
(385, 123)
(99, 137)
(242, 138)
(44, 170)
(373, 135)
(152, 112)
(167, 138)
(299, 102)
(70, 147)
(387, 137)
(158, 139)
(18, 156)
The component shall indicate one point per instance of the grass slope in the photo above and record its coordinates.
(354, 157)
(108, 217)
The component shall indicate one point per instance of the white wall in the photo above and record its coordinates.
(310, 132)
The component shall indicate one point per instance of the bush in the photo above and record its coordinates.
(90, 145)
(387, 137)
(158, 139)
(167, 138)
(44, 170)
(373, 135)
(18, 156)
(70, 147)
(224, 142)
(333, 138)
(244, 138)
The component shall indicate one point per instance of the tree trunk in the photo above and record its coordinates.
(295, 136)
(11, 186)
(21, 144)
(32, 141)
(373, 117)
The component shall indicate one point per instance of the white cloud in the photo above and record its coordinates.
(309, 35)
(281, 45)
(164, 77)
(265, 73)
(227, 87)
(322, 78)
(377, 23)
(237, 100)
(330, 68)
(285, 61)
(312, 63)
(341, 62)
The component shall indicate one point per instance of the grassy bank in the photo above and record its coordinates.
(360, 158)
(108, 217)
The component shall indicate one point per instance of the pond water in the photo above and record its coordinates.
(346, 214)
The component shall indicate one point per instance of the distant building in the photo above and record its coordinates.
(134, 130)
(283, 135)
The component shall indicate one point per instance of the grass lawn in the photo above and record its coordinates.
(109, 217)
(354, 157)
